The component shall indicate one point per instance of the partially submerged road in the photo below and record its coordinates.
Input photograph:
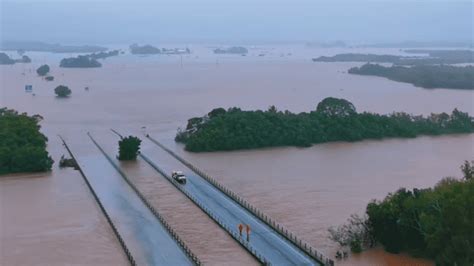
(276, 249)
(149, 242)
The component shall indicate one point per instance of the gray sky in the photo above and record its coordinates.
(232, 21)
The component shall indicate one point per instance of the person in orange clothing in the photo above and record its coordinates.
(241, 227)
(247, 228)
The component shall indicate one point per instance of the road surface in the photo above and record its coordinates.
(148, 241)
(275, 248)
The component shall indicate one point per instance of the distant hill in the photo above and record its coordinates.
(435, 57)
(47, 47)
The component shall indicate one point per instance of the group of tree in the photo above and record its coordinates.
(81, 61)
(435, 57)
(436, 223)
(62, 91)
(129, 147)
(22, 145)
(6, 60)
(145, 49)
(232, 50)
(333, 120)
(149, 49)
(104, 55)
(426, 76)
(42, 70)
(88, 60)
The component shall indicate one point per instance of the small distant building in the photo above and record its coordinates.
(28, 88)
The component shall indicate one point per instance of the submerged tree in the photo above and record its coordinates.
(129, 148)
(62, 91)
(42, 70)
(468, 170)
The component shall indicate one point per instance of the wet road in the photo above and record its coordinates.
(147, 239)
(275, 248)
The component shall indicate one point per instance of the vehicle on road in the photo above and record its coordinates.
(179, 176)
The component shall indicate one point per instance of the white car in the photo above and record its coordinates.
(179, 176)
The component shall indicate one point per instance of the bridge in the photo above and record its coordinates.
(270, 243)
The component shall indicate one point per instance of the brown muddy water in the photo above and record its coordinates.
(307, 189)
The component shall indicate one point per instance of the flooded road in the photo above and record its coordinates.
(148, 240)
(307, 189)
(203, 236)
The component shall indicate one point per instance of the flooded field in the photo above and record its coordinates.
(306, 189)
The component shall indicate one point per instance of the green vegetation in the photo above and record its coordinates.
(68, 162)
(442, 76)
(81, 61)
(22, 145)
(62, 91)
(436, 223)
(42, 70)
(6, 60)
(333, 120)
(232, 50)
(145, 49)
(435, 57)
(129, 148)
(104, 55)
(87, 61)
(49, 78)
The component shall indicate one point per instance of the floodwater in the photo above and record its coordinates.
(306, 189)
(52, 219)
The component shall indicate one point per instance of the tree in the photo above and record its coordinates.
(62, 91)
(22, 145)
(129, 148)
(468, 170)
(42, 70)
(336, 107)
(216, 112)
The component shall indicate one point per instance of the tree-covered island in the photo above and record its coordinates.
(434, 57)
(87, 61)
(144, 50)
(426, 76)
(22, 145)
(81, 61)
(333, 120)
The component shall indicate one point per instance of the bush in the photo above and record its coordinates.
(43, 70)
(129, 148)
(62, 91)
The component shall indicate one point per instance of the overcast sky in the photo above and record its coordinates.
(232, 21)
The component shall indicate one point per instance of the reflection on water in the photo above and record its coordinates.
(306, 189)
